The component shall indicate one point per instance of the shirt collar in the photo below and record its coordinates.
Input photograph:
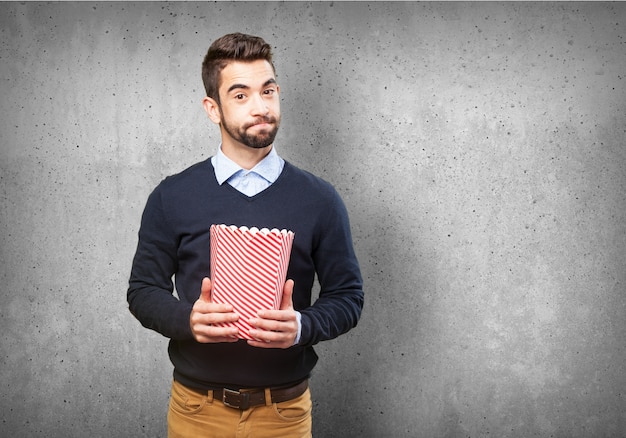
(269, 167)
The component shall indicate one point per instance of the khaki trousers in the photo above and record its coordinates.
(194, 415)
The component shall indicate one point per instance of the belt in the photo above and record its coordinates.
(247, 398)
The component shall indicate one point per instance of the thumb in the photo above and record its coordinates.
(205, 290)
(287, 301)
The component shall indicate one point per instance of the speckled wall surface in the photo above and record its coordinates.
(479, 148)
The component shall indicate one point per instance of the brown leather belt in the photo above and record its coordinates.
(246, 398)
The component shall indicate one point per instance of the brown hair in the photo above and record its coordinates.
(231, 47)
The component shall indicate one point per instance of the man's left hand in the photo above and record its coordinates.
(276, 328)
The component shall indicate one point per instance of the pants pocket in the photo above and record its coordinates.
(186, 402)
(295, 410)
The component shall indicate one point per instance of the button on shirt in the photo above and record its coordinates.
(251, 182)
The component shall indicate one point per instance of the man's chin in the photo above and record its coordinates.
(260, 141)
(256, 145)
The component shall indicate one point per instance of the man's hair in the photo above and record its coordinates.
(231, 47)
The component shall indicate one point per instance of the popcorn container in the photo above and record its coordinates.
(248, 270)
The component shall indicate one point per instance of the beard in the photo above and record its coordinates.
(259, 140)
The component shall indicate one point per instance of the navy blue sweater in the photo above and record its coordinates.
(174, 244)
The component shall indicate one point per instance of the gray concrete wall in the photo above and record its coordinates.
(479, 148)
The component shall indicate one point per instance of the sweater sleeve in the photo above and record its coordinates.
(150, 293)
(341, 296)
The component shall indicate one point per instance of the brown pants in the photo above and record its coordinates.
(193, 415)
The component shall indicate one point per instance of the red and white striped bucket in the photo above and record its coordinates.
(249, 269)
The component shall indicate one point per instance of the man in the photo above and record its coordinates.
(225, 386)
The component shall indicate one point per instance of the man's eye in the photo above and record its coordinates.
(240, 96)
(269, 91)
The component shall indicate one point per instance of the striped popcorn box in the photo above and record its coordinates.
(249, 269)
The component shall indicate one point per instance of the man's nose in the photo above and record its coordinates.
(259, 106)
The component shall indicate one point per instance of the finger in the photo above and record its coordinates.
(221, 314)
(287, 301)
(269, 340)
(205, 290)
(215, 336)
(206, 332)
(262, 344)
(268, 325)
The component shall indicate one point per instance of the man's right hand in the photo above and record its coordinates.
(205, 315)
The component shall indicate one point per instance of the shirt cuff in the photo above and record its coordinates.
(299, 318)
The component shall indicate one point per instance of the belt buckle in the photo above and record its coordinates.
(235, 399)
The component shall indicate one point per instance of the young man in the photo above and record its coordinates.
(224, 386)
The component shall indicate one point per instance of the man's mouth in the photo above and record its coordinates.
(261, 123)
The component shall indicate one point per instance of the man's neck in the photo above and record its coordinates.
(244, 156)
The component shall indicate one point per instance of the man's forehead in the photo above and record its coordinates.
(247, 73)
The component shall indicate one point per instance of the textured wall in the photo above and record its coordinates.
(479, 148)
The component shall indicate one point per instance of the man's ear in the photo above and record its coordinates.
(212, 109)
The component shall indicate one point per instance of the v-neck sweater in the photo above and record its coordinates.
(173, 255)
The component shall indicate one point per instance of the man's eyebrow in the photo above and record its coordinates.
(236, 86)
(247, 87)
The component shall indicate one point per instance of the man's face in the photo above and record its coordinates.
(249, 109)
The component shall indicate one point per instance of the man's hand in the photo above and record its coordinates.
(276, 328)
(205, 314)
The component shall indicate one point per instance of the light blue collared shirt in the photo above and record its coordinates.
(251, 182)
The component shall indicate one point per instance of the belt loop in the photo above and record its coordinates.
(209, 396)
(268, 397)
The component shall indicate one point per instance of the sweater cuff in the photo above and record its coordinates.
(182, 323)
